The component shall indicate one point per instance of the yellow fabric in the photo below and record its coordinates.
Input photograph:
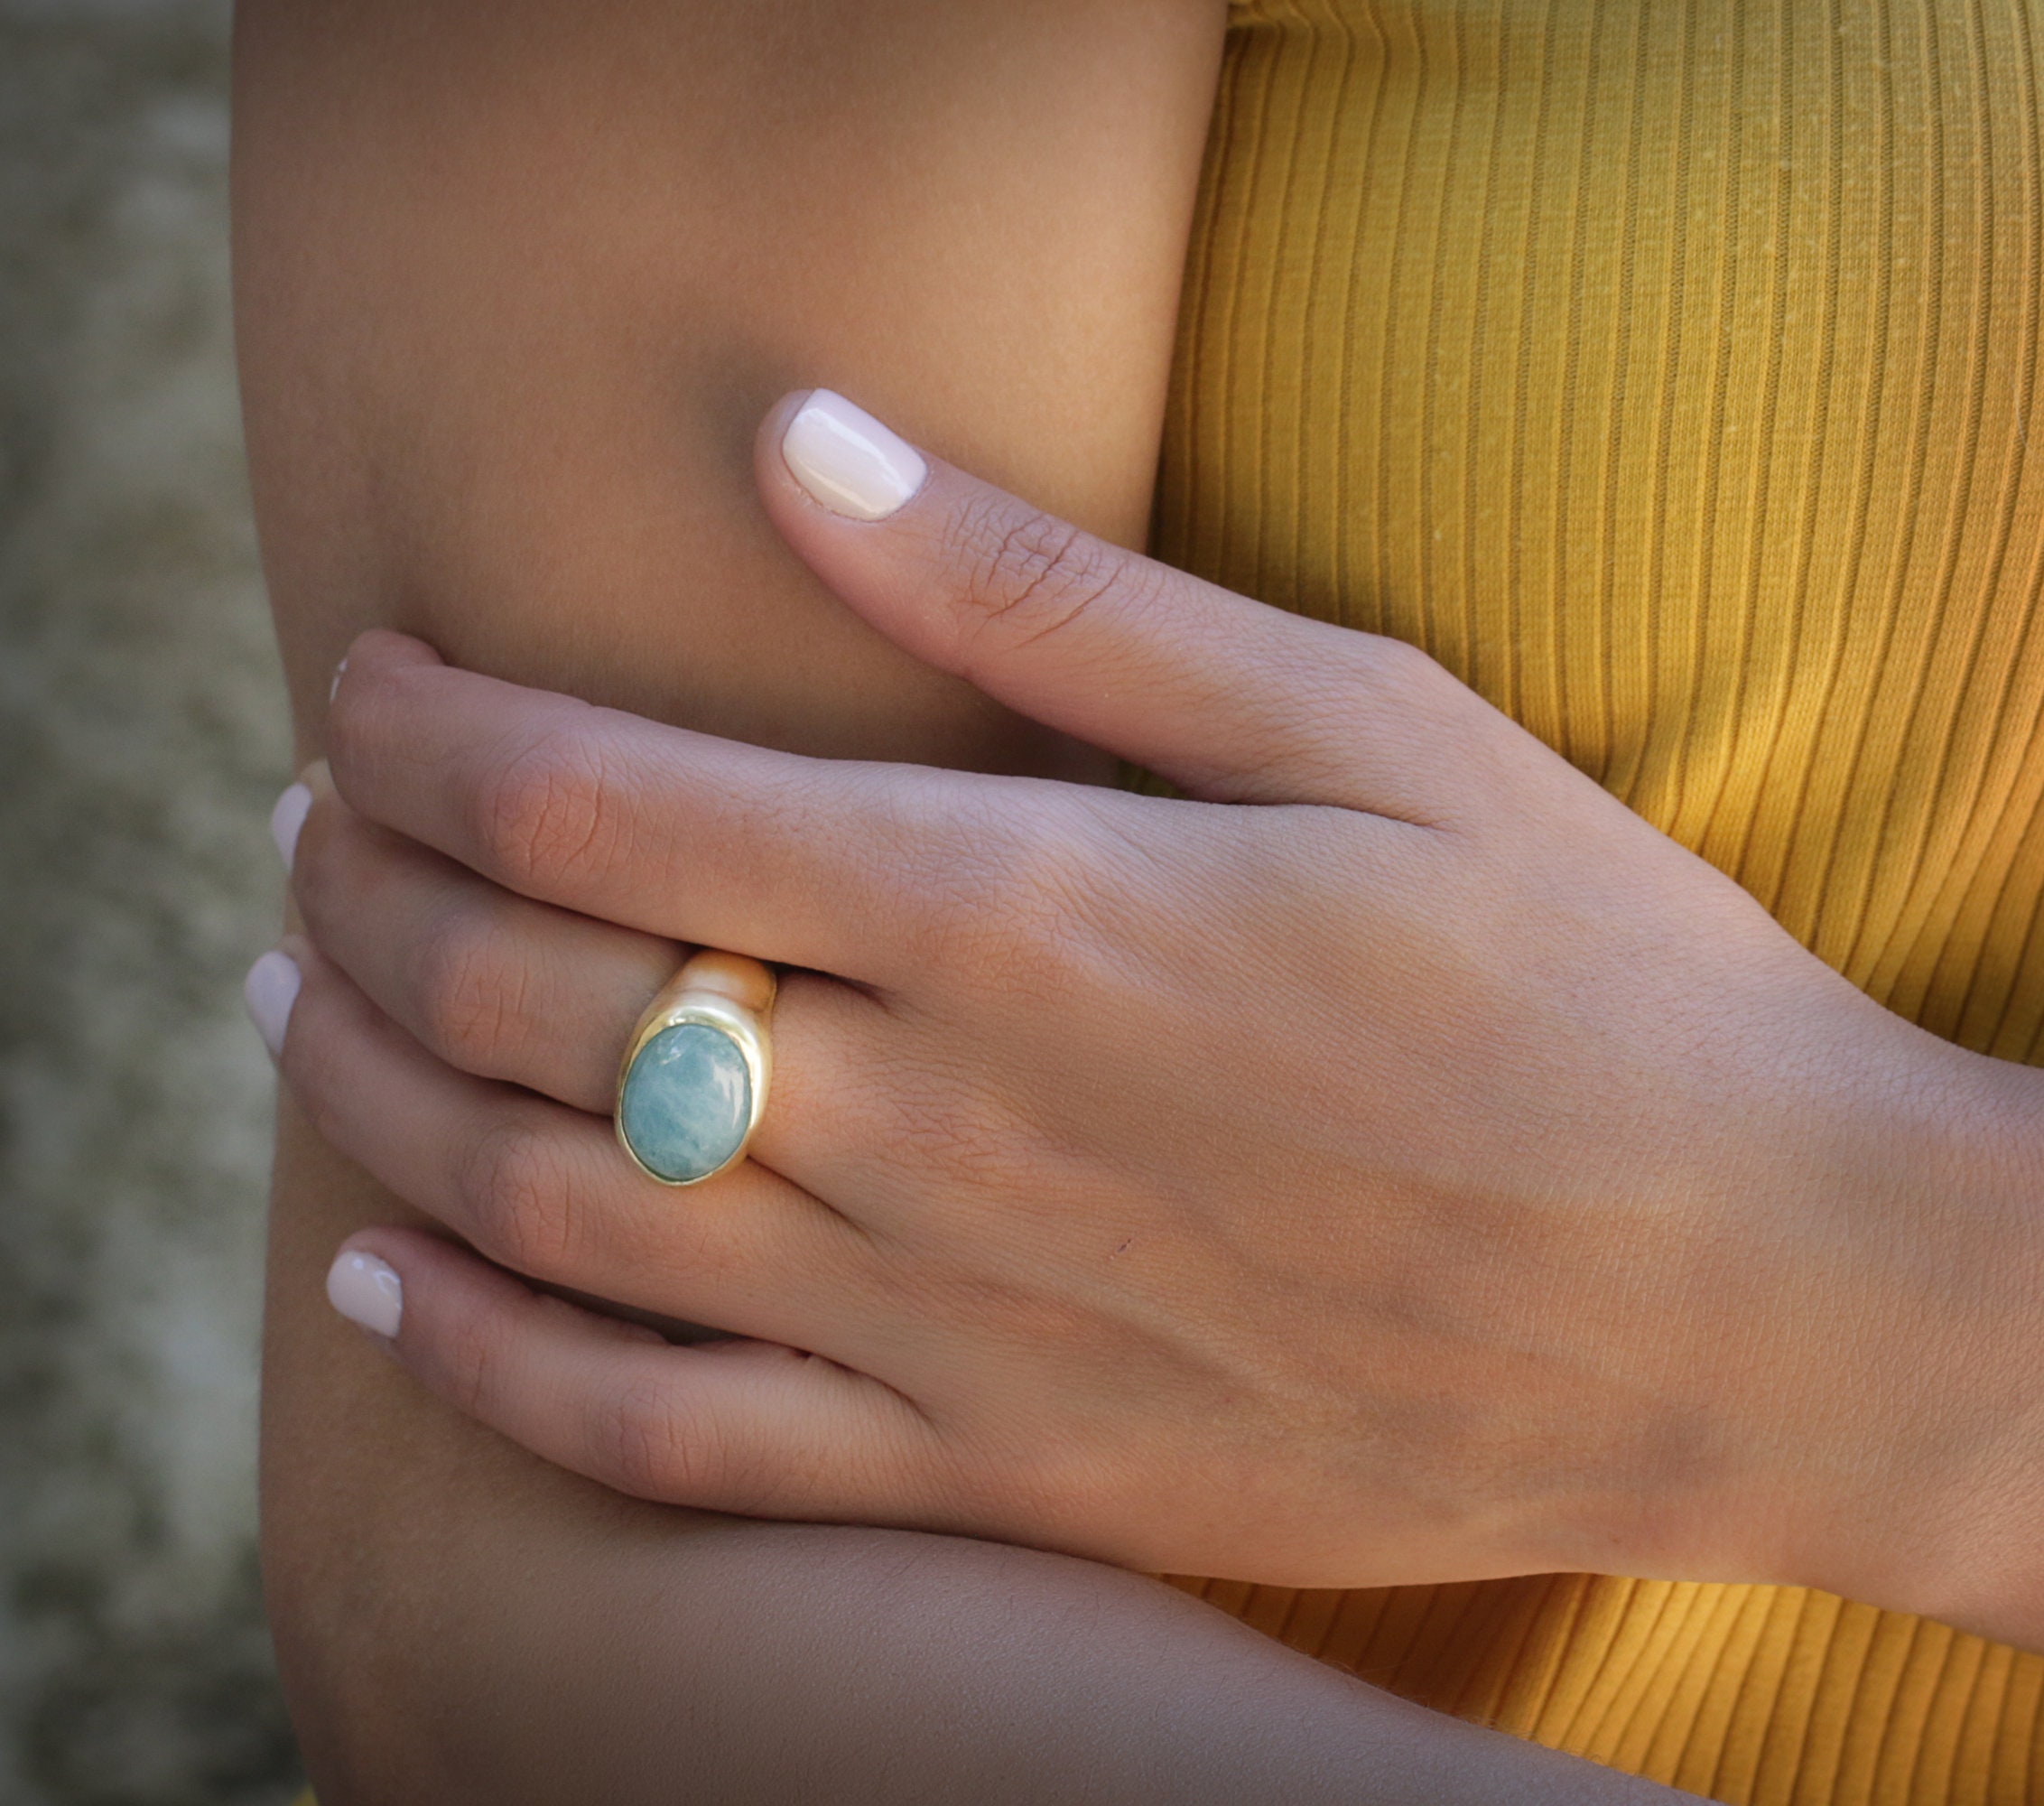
(1665, 369)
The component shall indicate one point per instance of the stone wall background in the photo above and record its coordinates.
(142, 741)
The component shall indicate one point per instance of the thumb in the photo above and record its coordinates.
(1228, 699)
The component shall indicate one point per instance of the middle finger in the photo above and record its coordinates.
(810, 862)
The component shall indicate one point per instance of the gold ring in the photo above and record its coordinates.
(693, 1083)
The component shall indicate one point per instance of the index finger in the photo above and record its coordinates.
(806, 861)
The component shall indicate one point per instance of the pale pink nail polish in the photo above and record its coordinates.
(367, 1291)
(270, 991)
(287, 819)
(848, 460)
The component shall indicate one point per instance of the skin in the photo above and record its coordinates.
(1326, 1299)
(515, 284)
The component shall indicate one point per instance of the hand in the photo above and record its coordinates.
(1392, 1161)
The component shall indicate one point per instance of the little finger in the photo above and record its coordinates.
(747, 1427)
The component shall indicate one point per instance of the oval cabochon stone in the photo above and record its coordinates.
(686, 1101)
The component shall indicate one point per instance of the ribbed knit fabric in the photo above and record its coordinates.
(1667, 367)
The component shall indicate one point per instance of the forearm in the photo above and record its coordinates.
(457, 1621)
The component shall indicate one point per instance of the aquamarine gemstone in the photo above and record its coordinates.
(686, 1101)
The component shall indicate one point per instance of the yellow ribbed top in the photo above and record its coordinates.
(1665, 369)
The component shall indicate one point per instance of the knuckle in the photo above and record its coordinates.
(639, 1444)
(1029, 889)
(1399, 666)
(1024, 574)
(467, 1364)
(992, 911)
(472, 991)
(546, 814)
(1331, 680)
(517, 1198)
(1348, 696)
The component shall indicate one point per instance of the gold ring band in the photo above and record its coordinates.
(693, 1083)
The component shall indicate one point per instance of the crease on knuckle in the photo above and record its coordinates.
(644, 1443)
(473, 992)
(467, 1355)
(1025, 576)
(1403, 684)
(1026, 891)
(519, 1206)
(1363, 689)
(547, 816)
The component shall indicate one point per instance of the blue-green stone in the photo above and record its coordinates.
(686, 1101)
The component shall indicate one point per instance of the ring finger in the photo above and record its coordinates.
(545, 1190)
(506, 988)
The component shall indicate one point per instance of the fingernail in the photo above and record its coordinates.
(286, 819)
(848, 460)
(270, 989)
(367, 1291)
(333, 689)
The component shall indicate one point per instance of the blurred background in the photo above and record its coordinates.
(142, 741)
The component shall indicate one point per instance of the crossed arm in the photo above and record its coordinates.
(514, 287)
(515, 281)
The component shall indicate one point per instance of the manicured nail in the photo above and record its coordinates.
(848, 460)
(367, 1291)
(270, 989)
(286, 819)
(333, 689)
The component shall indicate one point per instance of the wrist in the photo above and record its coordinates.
(1924, 1482)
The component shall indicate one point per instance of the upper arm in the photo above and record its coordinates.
(516, 280)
